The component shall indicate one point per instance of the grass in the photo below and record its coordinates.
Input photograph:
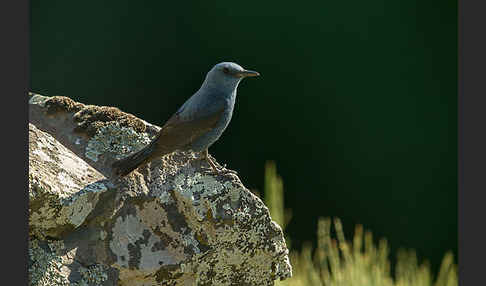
(339, 262)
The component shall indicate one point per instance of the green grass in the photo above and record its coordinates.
(337, 261)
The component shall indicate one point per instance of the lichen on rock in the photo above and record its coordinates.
(50, 263)
(115, 139)
(167, 223)
(91, 118)
(63, 189)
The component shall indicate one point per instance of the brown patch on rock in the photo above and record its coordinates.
(91, 118)
(202, 238)
(57, 104)
(167, 273)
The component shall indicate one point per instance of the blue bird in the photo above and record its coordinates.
(198, 123)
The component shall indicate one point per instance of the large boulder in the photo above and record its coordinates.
(168, 223)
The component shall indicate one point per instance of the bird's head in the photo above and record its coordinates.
(227, 75)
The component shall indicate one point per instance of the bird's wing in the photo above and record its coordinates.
(180, 131)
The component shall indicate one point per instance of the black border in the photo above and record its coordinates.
(472, 140)
(15, 72)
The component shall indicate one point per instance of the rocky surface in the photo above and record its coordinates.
(169, 223)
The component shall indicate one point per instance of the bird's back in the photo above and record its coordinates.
(219, 104)
(198, 120)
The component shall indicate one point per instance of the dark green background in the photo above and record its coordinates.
(356, 102)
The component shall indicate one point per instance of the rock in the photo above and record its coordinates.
(63, 189)
(168, 223)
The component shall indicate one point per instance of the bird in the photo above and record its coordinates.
(197, 124)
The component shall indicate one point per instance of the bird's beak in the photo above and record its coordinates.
(246, 73)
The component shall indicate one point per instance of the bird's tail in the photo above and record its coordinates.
(126, 165)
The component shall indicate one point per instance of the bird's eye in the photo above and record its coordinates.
(226, 70)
